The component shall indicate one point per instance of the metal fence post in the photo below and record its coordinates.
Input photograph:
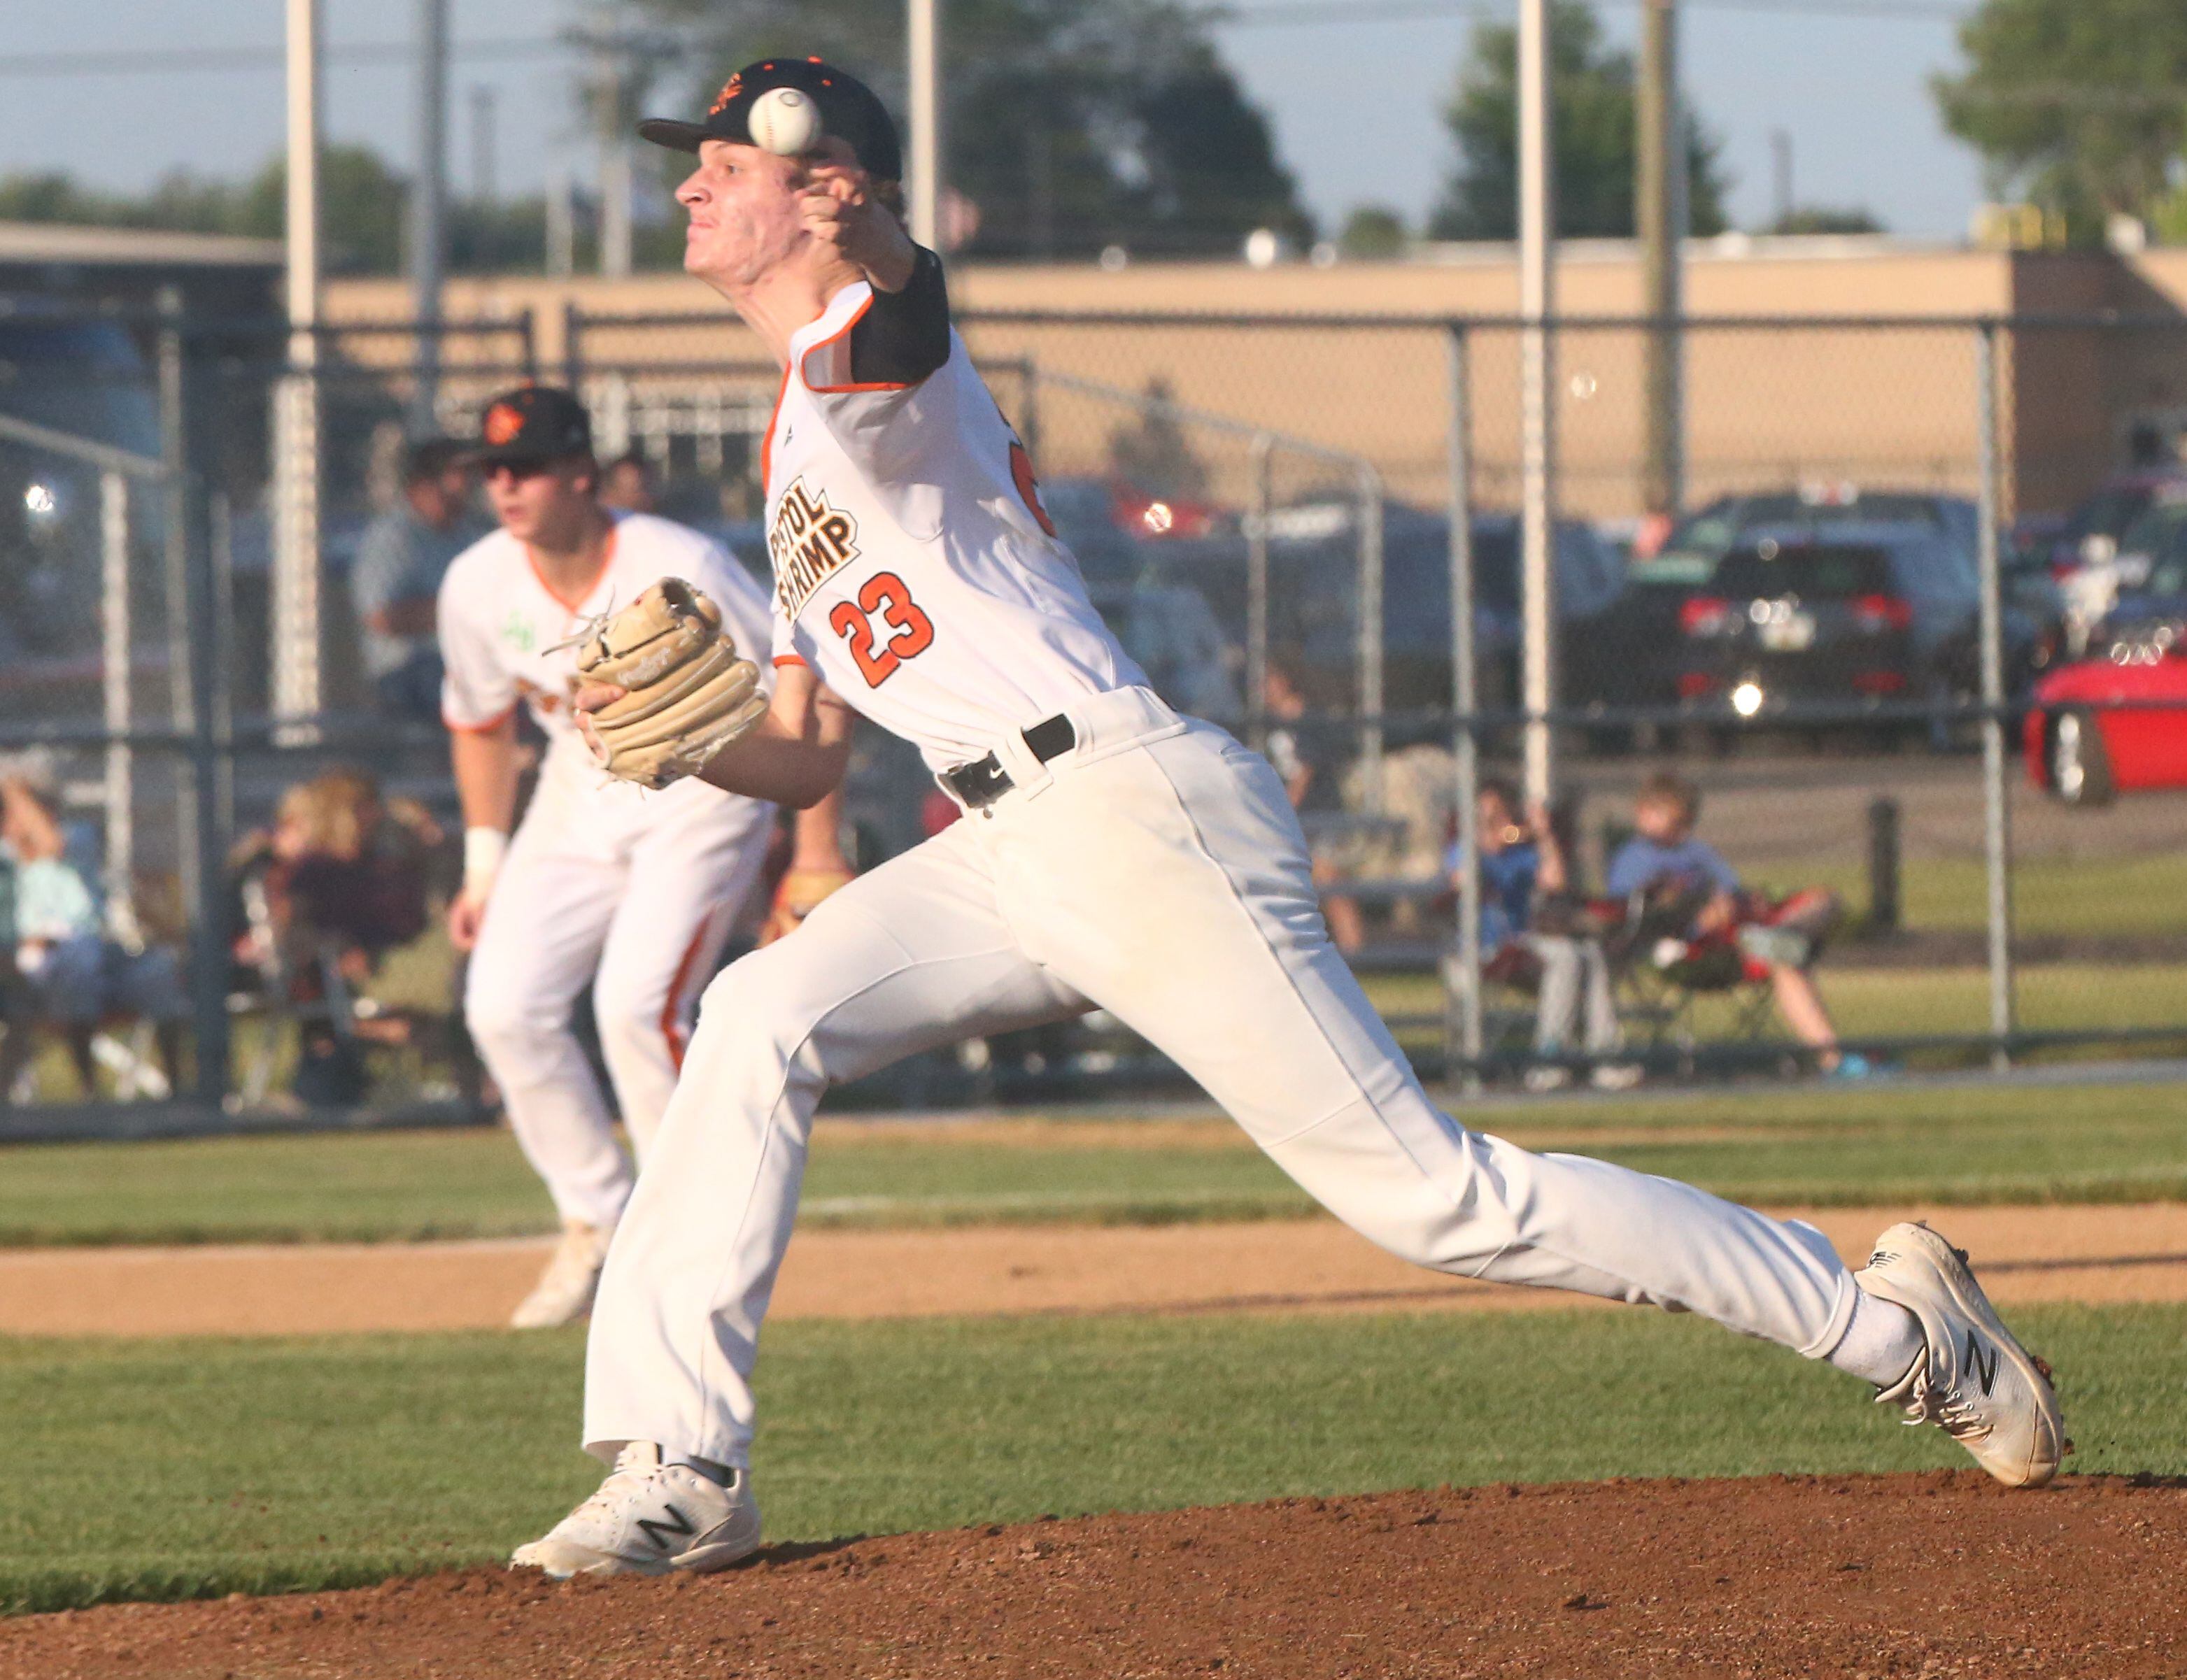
(1257, 595)
(573, 351)
(116, 637)
(195, 636)
(1997, 811)
(527, 335)
(1462, 977)
(1371, 630)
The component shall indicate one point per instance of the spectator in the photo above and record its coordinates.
(398, 577)
(338, 881)
(1309, 755)
(1525, 876)
(1664, 862)
(627, 483)
(72, 974)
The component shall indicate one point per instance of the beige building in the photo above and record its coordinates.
(1807, 370)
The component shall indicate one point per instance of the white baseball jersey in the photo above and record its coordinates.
(605, 885)
(506, 636)
(914, 570)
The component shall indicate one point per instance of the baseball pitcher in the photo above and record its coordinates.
(1114, 854)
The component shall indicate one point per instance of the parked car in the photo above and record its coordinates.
(1314, 569)
(1658, 586)
(1881, 612)
(88, 379)
(1704, 537)
(2117, 720)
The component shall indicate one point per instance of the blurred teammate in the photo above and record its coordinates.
(405, 554)
(1113, 854)
(630, 892)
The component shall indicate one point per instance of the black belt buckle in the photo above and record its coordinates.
(980, 783)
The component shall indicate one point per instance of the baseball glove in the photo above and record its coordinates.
(687, 694)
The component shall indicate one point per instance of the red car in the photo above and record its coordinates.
(2084, 755)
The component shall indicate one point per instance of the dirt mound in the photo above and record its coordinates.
(1898, 1576)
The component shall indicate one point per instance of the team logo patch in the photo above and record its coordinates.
(730, 89)
(808, 541)
(504, 423)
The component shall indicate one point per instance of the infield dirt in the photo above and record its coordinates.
(1900, 1577)
(2092, 1254)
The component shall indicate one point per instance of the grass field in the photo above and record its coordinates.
(1851, 1145)
(2130, 897)
(1903, 1003)
(168, 1469)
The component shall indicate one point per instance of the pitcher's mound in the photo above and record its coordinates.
(1897, 1576)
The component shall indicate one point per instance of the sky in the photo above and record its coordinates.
(1354, 96)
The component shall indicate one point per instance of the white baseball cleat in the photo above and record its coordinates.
(563, 1293)
(648, 1519)
(1973, 1380)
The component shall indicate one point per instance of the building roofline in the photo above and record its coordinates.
(33, 242)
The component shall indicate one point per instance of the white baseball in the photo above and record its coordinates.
(784, 121)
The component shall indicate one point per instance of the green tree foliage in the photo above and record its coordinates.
(363, 202)
(1072, 124)
(1372, 233)
(1827, 219)
(2077, 106)
(1593, 132)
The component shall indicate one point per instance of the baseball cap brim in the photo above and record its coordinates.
(678, 137)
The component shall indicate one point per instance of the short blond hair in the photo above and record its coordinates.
(1669, 789)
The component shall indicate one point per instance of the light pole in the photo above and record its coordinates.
(1537, 379)
(428, 196)
(295, 581)
(923, 30)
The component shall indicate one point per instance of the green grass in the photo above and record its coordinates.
(2085, 897)
(1902, 1003)
(168, 1470)
(1804, 1144)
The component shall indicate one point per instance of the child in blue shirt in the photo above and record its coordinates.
(1664, 855)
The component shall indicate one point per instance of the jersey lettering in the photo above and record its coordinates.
(885, 593)
(808, 542)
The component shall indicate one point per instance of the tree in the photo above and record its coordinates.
(361, 209)
(1072, 124)
(1594, 132)
(1373, 233)
(1826, 219)
(2079, 106)
(361, 206)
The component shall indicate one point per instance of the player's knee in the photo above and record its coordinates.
(501, 1020)
(632, 1014)
(762, 995)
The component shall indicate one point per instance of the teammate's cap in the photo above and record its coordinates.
(848, 109)
(531, 424)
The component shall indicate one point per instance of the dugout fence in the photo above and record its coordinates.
(1332, 499)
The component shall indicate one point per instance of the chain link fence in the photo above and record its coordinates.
(1908, 643)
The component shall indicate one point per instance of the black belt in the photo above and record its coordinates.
(983, 781)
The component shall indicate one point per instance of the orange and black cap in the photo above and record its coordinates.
(849, 110)
(530, 424)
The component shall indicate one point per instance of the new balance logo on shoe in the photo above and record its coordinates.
(1987, 1371)
(657, 1531)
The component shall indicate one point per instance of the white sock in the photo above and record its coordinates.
(1881, 1341)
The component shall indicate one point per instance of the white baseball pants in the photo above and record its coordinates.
(1156, 870)
(641, 909)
